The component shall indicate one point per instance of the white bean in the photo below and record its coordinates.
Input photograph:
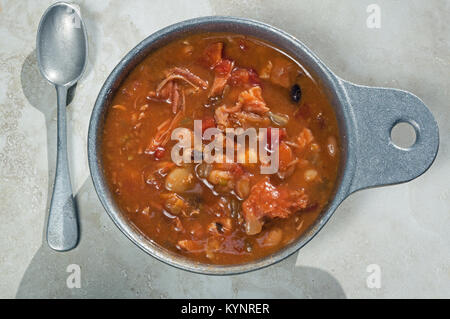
(332, 146)
(310, 175)
(273, 238)
(179, 180)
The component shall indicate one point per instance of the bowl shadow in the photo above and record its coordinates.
(113, 267)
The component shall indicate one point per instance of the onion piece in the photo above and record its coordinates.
(242, 187)
(253, 225)
(279, 119)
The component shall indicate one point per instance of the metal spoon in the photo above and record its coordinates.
(62, 56)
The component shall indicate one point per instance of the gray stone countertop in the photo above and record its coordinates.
(404, 230)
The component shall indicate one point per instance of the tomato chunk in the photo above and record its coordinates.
(241, 76)
(286, 156)
(207, 123)
(270, 136)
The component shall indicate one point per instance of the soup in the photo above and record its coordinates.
(211, 208)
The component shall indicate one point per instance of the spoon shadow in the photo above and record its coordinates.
(42, 96)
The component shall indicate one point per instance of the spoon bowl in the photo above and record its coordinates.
(62, 44)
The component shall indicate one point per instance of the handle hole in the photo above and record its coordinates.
(403, 135)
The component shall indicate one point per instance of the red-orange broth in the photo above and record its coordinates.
(220, 213)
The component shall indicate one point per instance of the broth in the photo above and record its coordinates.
(220, 213)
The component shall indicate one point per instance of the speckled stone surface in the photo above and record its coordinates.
(403, 229)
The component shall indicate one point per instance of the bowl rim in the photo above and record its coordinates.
(329, 80)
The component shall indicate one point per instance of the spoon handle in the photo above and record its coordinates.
(62, 228)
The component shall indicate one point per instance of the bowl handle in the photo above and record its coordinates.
(378, 160)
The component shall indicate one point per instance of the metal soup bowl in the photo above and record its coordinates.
(365, 116)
